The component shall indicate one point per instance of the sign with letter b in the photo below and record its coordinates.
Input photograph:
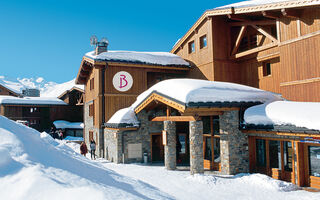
(122, 81)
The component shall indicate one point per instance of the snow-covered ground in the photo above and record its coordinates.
(34, 166)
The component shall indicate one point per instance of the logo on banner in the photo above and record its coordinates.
(122, 81)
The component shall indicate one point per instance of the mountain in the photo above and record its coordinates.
(47, 88)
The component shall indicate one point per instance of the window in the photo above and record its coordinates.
(211, 125)
(92, 84)
(266, 69)
(261, 152)
(274, 154)
(314, 160)
(91, 110)
(287, 156)
(191, 47)
(203, 41)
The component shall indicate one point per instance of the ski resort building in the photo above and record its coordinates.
(248, 55)
(8, 91)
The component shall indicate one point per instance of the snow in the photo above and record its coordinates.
(62, 124)
(35, 166)
(59, 89)
(157, 58)
(125, 115)
(72, 138)
(254, 3)
(300, 114)
(193, 90)
(31, 100)
(47, 89)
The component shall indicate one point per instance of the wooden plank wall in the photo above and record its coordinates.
(300, 71)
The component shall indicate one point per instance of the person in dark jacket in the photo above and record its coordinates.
(93, 149)
(83, 149)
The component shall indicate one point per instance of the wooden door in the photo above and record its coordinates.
(157, 150)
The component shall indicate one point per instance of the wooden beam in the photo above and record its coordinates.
(175, 118)
(200, 110)
(237, 17)
(247, 23)
(291, 13)
(238, 41)
(265, 33)
(204, 113)
(86, 67)
(271, 15)
(254, 50)
(280, 133)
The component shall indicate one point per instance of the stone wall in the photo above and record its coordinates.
(233, 145)
(118, 141)
(88, 121)
(112, 147)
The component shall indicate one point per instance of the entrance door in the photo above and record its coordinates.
(157, 150)
(211, 151)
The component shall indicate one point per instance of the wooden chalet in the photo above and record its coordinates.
(271, 46)
(99, 70)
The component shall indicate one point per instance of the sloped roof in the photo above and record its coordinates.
(135, 57)
(10, 100)
(285, 114)
(243, 7)
(194, 92)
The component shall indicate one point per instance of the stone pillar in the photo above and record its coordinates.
(170, 157)
(196, 147)
(233, 145)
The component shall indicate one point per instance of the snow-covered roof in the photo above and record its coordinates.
(31, 100)
(59, 89)
(152, 58)
(251, 3)
(62, 124)
(194, 90)
(125, 115)
(299, 114)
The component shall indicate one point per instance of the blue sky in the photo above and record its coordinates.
(48, 38)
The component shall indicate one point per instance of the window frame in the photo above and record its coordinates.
(202, 41)
(191, 47)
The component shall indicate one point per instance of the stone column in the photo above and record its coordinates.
(196, 147)
(233, 145)
(170, 149)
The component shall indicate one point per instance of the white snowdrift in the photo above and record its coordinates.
(59, 89)
(34, 166)
(300, 114)
(158, 58)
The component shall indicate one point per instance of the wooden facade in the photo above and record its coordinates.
(242, 42)
(291, 157)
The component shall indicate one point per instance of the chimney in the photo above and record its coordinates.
(102, 46)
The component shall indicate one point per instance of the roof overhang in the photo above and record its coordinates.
(67, 91)
(207, 15)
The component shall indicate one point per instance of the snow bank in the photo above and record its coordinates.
(157, 58)
(125, 115)
(31, 100)
(300, 114)
(193, 90)
(34, 166)
(62, 124)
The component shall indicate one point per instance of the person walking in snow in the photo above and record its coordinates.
(93, 149)
(83, 149)
(60, 134)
